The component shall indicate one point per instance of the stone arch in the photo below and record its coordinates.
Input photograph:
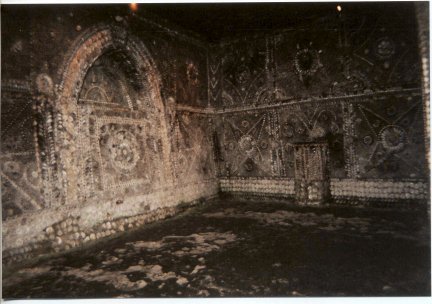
(91, 45)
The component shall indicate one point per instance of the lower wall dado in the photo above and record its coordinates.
(54, 230)
(384, 190)
(256, 186)
(344, 189)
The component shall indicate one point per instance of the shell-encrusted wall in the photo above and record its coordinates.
(102, 126)
(110, 121)
(359, 89)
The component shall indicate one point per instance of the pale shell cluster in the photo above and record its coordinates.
(253, 185)
(379, 189)
(67, 234)
(348, 188)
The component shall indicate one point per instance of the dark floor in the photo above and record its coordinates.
(232, 248)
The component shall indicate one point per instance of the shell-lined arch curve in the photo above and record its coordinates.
(97, 41)
(142, 72)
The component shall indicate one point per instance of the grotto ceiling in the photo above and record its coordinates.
(215, 22)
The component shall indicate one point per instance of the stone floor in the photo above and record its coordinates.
(233, 248)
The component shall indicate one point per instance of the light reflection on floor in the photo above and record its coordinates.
(232, 248)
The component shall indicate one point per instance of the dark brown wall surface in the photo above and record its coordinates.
(351, 78)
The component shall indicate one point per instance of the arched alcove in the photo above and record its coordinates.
(110, 127)
(112, 82)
